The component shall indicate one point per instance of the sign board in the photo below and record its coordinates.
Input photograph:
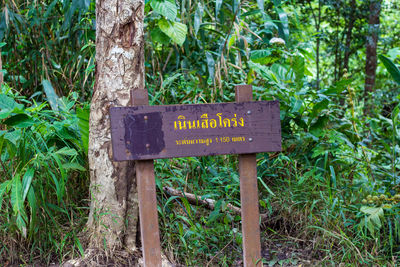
(151, 132)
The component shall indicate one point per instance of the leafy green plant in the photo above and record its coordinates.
(42, 165)
(391, 67)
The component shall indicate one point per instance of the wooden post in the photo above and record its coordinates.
(146, 187)
(249, 196)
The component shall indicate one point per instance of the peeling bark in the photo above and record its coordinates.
(114, 212)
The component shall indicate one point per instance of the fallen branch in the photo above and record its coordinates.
(206, 202)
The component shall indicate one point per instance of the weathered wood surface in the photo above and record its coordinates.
(146, 187)
(149, 229)
(150, 132)
(249, 196)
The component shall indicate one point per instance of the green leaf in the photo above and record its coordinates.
(296, 105)
(79, 245)
(251, 13)
(73, 166)
(50, 9)
(395, 114)
(13, 136)
(333, 176)
(175, 30)
(391, 67)
(373, 220)
(261, 56)
(316, 128)
(298, 68)
(188, 208)
(33, 206)
(83, 123)
(198, 17)
(21, 224)
(318, 107)
(160, 37)
(26, 182)
(16, 195)
(65, 151)
(4, 188)
(167, 9)
(218, 4)
(51, 94)
(9, 106)
(264, 72)
(338, 87)
(20, 121)
(265, 186)
(210, 65)
(284, 23)
(214, 215)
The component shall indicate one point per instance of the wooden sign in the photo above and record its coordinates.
(151, 132)
(144, 132)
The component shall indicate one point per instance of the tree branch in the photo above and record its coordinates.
(206, 202)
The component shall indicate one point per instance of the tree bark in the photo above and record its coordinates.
(371, 45)
(113, 217)
(349, 37)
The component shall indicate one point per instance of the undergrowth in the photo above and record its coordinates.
(43, 182)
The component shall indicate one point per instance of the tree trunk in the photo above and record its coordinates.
(113, 217)
(349, 37)
(372, 41)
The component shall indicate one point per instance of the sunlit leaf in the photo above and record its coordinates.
(198, 17)
(13, 136)
(8, 106)
(51, 94)
(210, 65)
(83, 123)
(21, 224)
(283, 19)
(16, 195)
(165, 8)
(65, 151)
(373, 220)
(26, 182)
(73, 166)
(261, 56)
(175, 30)
(391, 67)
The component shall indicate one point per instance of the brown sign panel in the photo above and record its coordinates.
(151, 132)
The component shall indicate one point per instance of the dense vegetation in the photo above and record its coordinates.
(331, 196)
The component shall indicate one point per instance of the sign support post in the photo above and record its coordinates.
(146, 187)
(249, 196)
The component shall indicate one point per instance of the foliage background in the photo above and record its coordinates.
(331, 196)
